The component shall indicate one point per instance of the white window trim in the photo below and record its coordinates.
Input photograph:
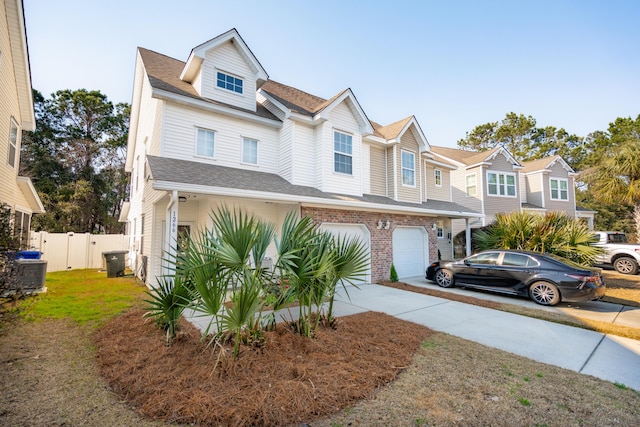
(402, 168)
(436, 173)
(195, 151)
(558, 199)
(224, 89)
(333, 160)
(440, 229)
(506, 174)
(466, 185)
(242, 159)
(12, 161)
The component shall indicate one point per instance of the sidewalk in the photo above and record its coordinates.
(611, 358)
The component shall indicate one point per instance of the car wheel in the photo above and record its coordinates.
(444, 278)
(626, 265)
(544, 293)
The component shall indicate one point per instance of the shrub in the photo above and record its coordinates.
(393, 274)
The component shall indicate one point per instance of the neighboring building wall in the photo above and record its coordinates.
(536, 189)
(381, 240)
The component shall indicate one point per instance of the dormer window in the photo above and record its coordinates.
(229, 82)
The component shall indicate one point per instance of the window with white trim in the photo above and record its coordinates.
(342, 153)
(471, 185)
(408, 161)
(250, 151)
(440, 229)
(501, 184)
(13, 142)
(559, 189)
(229, 82)
(205, 142)
(437, 176)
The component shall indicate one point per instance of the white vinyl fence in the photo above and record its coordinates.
(67, 251)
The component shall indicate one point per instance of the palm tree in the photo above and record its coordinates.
(616, 179)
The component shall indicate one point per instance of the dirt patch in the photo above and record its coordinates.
(291, 379)
(50, 378)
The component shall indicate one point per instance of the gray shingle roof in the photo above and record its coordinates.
(215, 176)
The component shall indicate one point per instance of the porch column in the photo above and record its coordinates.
(467, 235)
(172, 231)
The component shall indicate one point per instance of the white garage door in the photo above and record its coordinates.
(351, 230)
(409, 251)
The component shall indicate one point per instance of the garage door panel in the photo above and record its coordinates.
(409, 251)
(351, 230)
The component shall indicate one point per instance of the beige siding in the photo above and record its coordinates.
(366, 169)
(407, 193)
(434, 192)
(459, 188)
(535, 189)
(392, 152)
(10, 193)
(378, 171)
(226, 58)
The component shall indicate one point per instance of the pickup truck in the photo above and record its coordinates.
(618, 252)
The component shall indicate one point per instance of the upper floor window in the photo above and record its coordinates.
(250, 151)
(559, 189)
(408, 168)
(226, 81)
(501, 184)
(471, 185)
(204, 144)
(13, 142)
(342, 153)
(437, 175)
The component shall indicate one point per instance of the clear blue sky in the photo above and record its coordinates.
(452, 64)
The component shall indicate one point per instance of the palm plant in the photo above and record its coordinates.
(167, 303)
(554, 233)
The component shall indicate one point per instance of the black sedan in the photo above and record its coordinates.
(546, 279)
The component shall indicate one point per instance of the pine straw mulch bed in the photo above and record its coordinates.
(290, 380)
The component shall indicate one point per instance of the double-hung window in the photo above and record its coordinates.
(13, 142)
(501, 184)
(437, 176)
(205, 142)
(559, 189)
(250, 151)
(408, 169)
(229, 82)
(440, 229)
(471, 185)
(342, 153)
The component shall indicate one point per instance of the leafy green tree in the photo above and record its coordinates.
(75, 158)
(519, 134)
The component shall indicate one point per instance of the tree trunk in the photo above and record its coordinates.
(636, 219)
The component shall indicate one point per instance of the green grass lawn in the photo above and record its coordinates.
(86, 296)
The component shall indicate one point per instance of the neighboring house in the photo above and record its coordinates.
(215, 130)
(493, 181)
(16, 115)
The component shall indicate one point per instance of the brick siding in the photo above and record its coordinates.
(381, 240)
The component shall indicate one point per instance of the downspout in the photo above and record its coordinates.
(172, 230)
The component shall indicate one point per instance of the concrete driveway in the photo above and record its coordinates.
(607, 357)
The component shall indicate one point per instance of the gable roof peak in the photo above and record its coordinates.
(198, 53)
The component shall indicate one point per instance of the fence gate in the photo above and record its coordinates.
(68, 251)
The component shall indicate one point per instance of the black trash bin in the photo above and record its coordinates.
(115, 263)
